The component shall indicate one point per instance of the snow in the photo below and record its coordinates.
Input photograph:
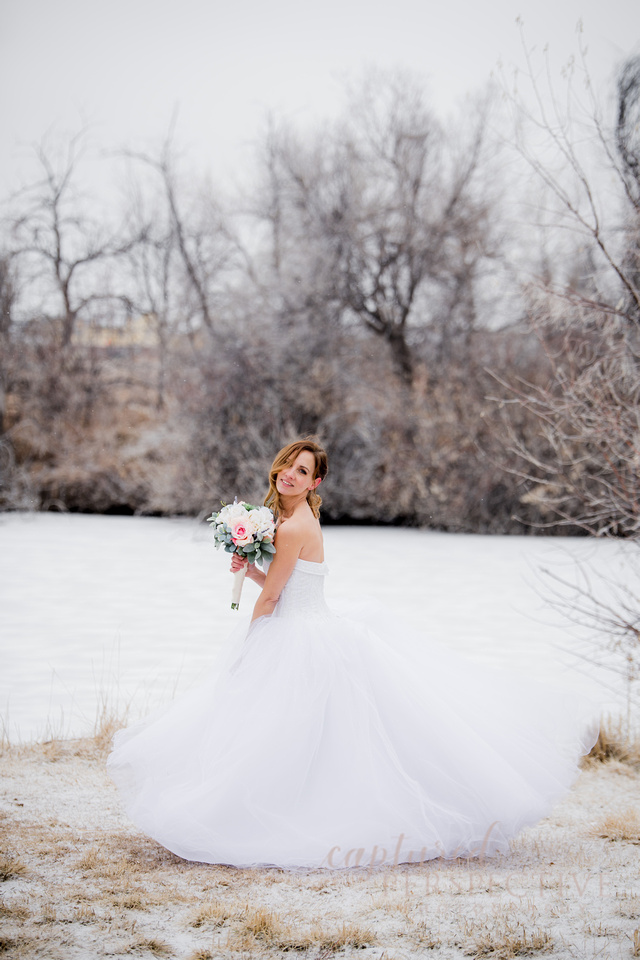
(113, 611)
(92, 886)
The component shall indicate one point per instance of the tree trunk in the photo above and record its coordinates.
(401, 354)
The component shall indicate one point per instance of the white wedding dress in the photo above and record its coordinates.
(321, 743)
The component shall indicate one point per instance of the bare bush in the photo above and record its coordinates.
(582, 466)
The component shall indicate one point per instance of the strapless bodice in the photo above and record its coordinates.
(303, 593)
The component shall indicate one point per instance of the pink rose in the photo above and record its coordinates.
(240, 533)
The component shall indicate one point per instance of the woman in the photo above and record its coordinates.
(293, 479)
(323, 744)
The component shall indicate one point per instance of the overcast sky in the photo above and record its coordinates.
(125, 66)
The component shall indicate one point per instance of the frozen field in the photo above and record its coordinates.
(122, 611)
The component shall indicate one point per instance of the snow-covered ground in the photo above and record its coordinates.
(129, 610)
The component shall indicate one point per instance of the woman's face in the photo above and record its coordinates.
(297, 476)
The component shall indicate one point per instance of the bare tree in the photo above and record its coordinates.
(628, 146)
(65, 253)
(154, 281)
(189, 249)
(11, 482)
(7, 298)
(380, 220)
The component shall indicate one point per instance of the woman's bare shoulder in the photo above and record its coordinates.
(303, 520)
(301, 527)
(306, 531)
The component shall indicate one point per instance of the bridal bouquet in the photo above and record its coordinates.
(246, 530)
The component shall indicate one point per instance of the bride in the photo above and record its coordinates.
(321, 742)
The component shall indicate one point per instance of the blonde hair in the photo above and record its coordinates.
(287, 455)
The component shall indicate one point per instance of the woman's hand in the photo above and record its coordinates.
(237, 562)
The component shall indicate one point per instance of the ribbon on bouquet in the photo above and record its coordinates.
(236, 590)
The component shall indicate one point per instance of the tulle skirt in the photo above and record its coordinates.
(319, 742)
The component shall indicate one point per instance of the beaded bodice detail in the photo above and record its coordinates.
(303, 593)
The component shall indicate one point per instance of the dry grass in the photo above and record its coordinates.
(251, 927)
(11, 867)
(636, 944)
(261, 926)
(131, 899)
(624, 826)
(5, 740)
(615, 742)
(55, 746)
(108, 721)
(14, 911)
(348, 935)
(506, 941)
(18, 947)
(628, 906)
(426, 939)
(49, 914)
(210, 915)
(56, 750)
(157, 947)
(121, 856)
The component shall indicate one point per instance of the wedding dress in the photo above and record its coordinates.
(320, 742)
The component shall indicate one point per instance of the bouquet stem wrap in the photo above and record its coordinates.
(248, 531)
(236, 590)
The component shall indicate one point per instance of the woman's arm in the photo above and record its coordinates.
(288, 542)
